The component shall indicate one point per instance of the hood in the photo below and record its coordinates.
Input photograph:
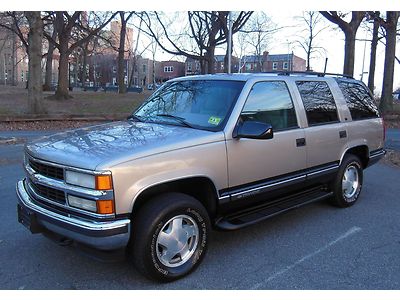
(112, 143)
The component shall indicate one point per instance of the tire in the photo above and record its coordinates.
(348, 183)
(169, 236)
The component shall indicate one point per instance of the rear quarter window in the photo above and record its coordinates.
(359, 101)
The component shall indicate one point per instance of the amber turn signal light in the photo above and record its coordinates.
(105, 206)
(103, 182)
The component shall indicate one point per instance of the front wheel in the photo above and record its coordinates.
(169, 236)
(348, 183)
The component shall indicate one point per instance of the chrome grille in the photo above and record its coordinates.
(47, 170)
(48, 192)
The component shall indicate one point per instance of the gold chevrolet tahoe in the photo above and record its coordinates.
(213, 151)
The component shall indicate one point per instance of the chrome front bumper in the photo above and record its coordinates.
(102, 235)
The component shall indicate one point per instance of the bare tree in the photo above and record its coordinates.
(374, 43)
(124, 18)
(349, 29)
(311, 28)
(390, 26)
(35, 36)
(207, 29)
(68, 25)
(49, 61)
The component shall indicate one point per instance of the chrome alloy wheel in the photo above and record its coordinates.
(350, 181)
(177, 241)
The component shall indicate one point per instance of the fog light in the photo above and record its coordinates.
(85, 204)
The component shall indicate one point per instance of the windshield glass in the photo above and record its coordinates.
(201, 104)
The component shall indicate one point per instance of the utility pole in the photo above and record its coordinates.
(229, 42)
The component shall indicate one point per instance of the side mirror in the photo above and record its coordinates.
(253, 130)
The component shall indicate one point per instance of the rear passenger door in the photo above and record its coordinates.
(326, 136)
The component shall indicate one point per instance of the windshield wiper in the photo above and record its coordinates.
(135, 118)
(179, 119)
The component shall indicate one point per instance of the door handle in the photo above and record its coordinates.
(300, 142)
(343, 134)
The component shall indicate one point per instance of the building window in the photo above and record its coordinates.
(189, 67)
(274, 66)
(222, 66)
(144, 68)
(248, 67)
(168, 69)
(285, 65)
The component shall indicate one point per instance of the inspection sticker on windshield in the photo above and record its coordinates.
(214, 120)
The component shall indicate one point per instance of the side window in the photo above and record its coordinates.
(318, 102)
(358, 100)
(270, 102)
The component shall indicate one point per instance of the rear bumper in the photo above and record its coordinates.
(102, 235)
(375, 156)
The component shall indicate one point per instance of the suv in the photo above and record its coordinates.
(221, 151)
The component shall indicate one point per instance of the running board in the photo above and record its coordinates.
(263, 212)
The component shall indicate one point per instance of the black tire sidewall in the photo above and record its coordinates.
(341, 200)
(150, 221)
(176, 272)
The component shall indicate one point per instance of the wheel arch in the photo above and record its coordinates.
(361, 151)
(201, 188)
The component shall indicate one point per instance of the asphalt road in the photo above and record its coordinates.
(314, 247)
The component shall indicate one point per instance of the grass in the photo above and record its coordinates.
(13, 102)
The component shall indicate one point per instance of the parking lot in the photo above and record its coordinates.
(314, 247)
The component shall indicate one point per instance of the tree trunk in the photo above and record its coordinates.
(210, 59)
(35, 94)
(349, 50)
(386, 103)
(49, 64)
(121, 53)
(62, 92)
(84, 65)
(372, 61)
(13, 59)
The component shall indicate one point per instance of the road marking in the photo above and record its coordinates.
(350, 232)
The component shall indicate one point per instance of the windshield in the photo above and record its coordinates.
(201, 104)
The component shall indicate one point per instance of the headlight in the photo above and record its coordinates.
(80, 179)
(98, 182)
(82, 203)
(99, 206)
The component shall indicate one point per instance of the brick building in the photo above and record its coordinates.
(192, 66)
(170, 69)
(272, 62)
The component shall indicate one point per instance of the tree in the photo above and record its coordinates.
(390, 26)
(311, 23)
(73, 31)
(124, 17)
(49, 61)
(203, 32)
(374, 43)
(35, 37)
(350, 30)
(257, 34)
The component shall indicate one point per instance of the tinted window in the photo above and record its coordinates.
(270, 102)
(358, 100)
(203, 104)
(318, 102)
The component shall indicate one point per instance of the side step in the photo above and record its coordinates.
(265, 211)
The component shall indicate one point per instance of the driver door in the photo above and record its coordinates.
(258, 166)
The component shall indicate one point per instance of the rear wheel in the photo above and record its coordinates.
(169, 236)
(348, 183)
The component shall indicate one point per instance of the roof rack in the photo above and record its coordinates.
(319, 74)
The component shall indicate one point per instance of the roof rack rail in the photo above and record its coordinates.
(319, 74)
